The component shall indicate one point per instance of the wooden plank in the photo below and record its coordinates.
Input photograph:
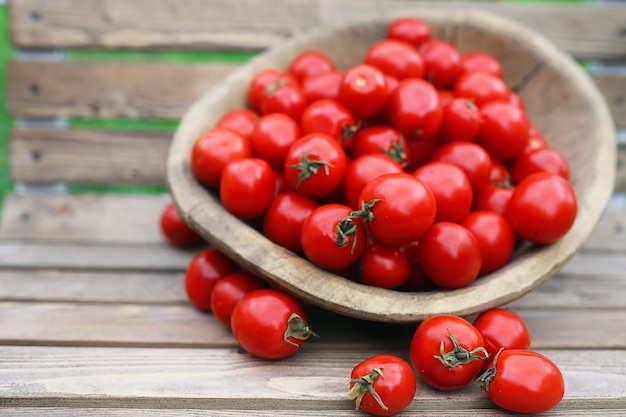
(141, 89)
(223, 379)
(584, 31)
(185, 24)
(107, 89)
(93, 286)
(78, 324)
(88, 156)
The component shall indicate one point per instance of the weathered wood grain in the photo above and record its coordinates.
(106, 89)
(586, 32)
(311, 380)
(141, 89)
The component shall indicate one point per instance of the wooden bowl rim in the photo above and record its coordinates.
(206, 215)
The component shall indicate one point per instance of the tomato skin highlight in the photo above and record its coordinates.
(285, 217)
(414, 109)
(247, 187)
(502, 329)
(229, 290)
(524, 382)
(395, 384)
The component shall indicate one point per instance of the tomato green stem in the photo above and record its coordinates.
(308, 167)
(346, 228)
(459, 355)
(297, 328)
(486, 377)
(397, 152)
(364, 385)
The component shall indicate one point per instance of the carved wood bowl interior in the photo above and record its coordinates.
(561, 100)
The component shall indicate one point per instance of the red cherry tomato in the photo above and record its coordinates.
(542, 208)
(409, 29)
(481, 88)
(447, 352)
(247, 187)
(381, 139)
(315, 165)
(442, 61)
(471, 158)
(241, 121)
(452, 190)
(175, 230)
(540, 160)
(450, 255)
(206, 268)
(213, 150)
(286, 99)
(502, 329)
(481, 62)
(270, 324)
(418, 280)
(321, 86)
(361, 171)
(461, 121)
(493, 198)
(309, 63)
(504, 131)
(284, 218)
(524, 381)
(414, 109)
(396, 58)
(495, 238)
(264, 82)
(272, 137)
(421, 151)
(382, 385)
(332, 118)
(331, 241)
(363, 90)
(398, 208)
(384, 266)
(229, 290)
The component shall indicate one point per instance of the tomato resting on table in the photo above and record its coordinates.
(175, 230)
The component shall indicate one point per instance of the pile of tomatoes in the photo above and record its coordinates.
(415, 168)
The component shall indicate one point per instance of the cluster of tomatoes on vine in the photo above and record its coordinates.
(390, 172)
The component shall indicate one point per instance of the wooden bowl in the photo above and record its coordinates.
(561, 101)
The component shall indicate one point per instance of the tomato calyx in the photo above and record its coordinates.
(346, 227)
(348, 130)
(364, 385)
(308, 167)
(297, 328)
(486, 377)
(397, 153)
(459, 355)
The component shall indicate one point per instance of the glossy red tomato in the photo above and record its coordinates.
(461, 121)
(421, 151)
(442, 61)
(315, 165)
(414, 109)
(540, 160)
(213, 150)
(536, 140)
(284, 218)
(270, 324)
(272, 137)
(206, 268)
(447, 352)
(542, 208)
(450, 255)
(409, 29)
(471, 158)
(287, 99)
(309, 63)
(247, 187)
(451, 188)
(396, 58)
(264, 82)
(321, 86)
(502, 328)
(363, 90)
(481, 88)
(481, 62)
(332, 118)
(382, 385)
(361, 171)
(384, 266)
(499, 174)
(524, 381)
(381, 139)
(229, 290)
(504, 131)
(175, 230)
(495, 238)
(241, 121)
(398, 208)
(330, 240)
(493, 198)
